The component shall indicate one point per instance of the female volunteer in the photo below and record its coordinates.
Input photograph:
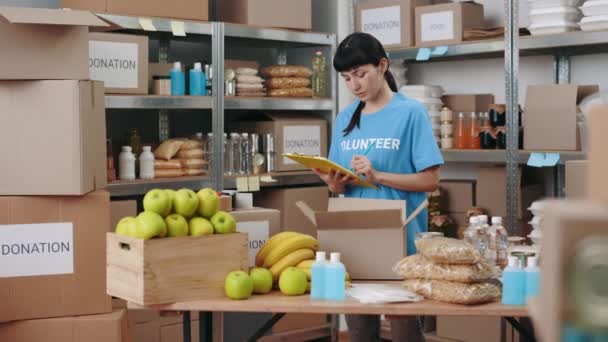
(404, 159)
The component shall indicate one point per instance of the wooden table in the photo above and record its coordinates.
(279, 304)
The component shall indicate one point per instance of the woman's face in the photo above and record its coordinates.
(365, 81)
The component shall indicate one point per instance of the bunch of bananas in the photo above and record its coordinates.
(284, 250)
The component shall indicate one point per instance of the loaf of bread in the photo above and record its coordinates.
(168, 148)
(194, 172)
(293, 92)
(246, 71)
(193, 163)
(173, 164)
(191, 145)
(249, 86)
(287, 82)
(249, 79)
(286, 71)
(168, 173)
(196, 153)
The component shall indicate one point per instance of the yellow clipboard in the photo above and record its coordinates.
(324, 164)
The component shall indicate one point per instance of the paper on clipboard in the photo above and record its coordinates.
(325, 165)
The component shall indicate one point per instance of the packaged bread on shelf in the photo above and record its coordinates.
(196, 153)
(193, 163)
(293, 92)
(173, 173)
(191, 144)
(249, 79)
(168, 148)
(246, 71)
(418, 267)
(443, 250)
(287, 82)
(286, 71)
(173, 164)
(194, 172)
(453, 292)
(249, 86)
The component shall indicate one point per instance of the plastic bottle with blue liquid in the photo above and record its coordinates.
(178, 80)
(513, 283)
(335, 283)
(532, 278)
(317, 278)
(196, 80)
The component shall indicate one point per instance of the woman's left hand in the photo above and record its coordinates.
(362, 166)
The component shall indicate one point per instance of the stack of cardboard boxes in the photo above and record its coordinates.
(53, 217)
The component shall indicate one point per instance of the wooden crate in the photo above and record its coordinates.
(160, 271)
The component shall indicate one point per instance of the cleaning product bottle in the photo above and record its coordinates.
(196, 80)
(335, 282)
(178, 80)
(317, 276)
(532, 278)
(513, 283)
(126, 164)
(146, 163)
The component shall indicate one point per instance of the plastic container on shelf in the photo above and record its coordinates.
(555, 28)
(335, 282)
(550, 15)
(126, 164)
(422, 91)
(593, 8)
(146, 163)
(317, 281)
(595, 23)
(554, 3)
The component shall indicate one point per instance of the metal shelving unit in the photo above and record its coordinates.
(158, 102)
(500, 156)
(280, 179)
(277, 103)
(140, 187)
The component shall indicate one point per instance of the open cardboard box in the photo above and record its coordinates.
(369, 234)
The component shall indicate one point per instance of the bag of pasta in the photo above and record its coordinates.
(448, 251)
(418, 267)
(452, 292)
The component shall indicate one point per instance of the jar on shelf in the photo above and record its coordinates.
(134, 140)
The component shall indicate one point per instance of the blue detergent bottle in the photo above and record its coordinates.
(532, 278)
(196, 80)
(513, 283)
(335, 283)
(317, 276)
(178, 80)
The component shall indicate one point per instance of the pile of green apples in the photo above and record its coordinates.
(170, 213)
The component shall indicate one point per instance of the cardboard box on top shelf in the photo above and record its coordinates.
(54, 133)
(157, 69)
(571, 221)
(49, 44)
(54, 257)
(392, 22)
(577, 178)
(178, 9)
(491, 192)
(358, 228)
(290, 14)
(259, 224)
(457, 195)
(109, 327)
(598, 167)
(285, 200)
(120, 61)
(120, 209)
(444, 24)
(293, 133)
(473, 329)
(468, 103)
(550, 116)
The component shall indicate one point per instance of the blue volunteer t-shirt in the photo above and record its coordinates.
(404, 144)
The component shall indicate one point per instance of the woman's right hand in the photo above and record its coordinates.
(336, 181)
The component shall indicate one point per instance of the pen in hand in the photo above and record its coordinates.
(367, 151)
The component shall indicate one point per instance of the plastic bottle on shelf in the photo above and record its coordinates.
(470, 234)
(178, 80)
(335, 283)
(474, 141)
(146, 163)
(126, 164)
(482, 233)
(246, 156)
(460, 140)
(513, 283)
(319, 75)
(317, 276)
(499, 241)
(196, 80)
(532, 278)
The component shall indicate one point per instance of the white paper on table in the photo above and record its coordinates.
(381, 294)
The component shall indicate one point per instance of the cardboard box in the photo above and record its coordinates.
(457, 195)
(294, 14)
(360, 228)
(169, 270)
(120, 209)
(157, 69)
(46, 44)
(296, 321)
(285, 200)
(259, 224)
(473, 329)
(492, 192)
(226, 203)
(56, 132)
(550, 120)
(175, 332)
(432, 337)
(598, 167)
(444, 24)
(68, 280)
(392, 22)
(179, 9)
(146, 332)
(110, 327)
(120, 61)
(468, 103)
(293, 133)
(576, 178)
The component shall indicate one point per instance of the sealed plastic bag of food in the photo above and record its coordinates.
(448, 251)
(286, 71)
(418, 267)
(168, 148)
(452, 292)
(191, 145)
(287, 82)
(293, 92)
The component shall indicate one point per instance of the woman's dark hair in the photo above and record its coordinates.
(355, 50)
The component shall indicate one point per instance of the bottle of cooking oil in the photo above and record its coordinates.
(319, 75)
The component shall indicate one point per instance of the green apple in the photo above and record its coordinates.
(185, 202)
(149, 225)
(127, 226)
(171, 194)
(176, 225)
(223, 223)
(157, 201)
(208, 202)
(262, 280)
(238, 285)
(200, 226)
(293, 282)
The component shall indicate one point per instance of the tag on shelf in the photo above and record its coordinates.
(267, 179)
(551, 159)
(537, 159)
(242, 184)
(254, 183)
(424, 54)
(146, 24)
(440, 50)
(178, 28)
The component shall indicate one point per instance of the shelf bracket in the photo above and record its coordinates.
(561, 67)
(164, 46)
(217, 118)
